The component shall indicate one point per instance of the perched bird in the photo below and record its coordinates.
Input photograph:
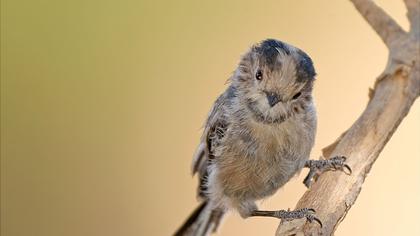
(257, 136)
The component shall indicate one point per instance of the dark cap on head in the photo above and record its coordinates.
(305, 68)
(269, 49)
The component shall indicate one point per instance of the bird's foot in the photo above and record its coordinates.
(307, 213)
(289, 215)
(316, 167)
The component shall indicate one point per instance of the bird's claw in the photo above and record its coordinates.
(311, 218)
(338, 163)
(308, 213)
(316, 167)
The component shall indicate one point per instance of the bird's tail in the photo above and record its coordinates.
(202, 221)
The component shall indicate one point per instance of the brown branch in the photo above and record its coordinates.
(394, 92)
(381, 22)
(413, 15)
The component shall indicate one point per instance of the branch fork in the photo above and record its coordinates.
(394, 92)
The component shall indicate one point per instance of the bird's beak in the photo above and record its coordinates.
(272, 98)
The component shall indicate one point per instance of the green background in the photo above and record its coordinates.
(102, 104)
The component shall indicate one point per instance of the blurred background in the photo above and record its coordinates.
(102, 104)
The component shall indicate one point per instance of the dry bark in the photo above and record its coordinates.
(394, 92)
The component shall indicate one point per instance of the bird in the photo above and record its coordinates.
(257, 136)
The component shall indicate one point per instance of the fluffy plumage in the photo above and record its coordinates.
(257, 136)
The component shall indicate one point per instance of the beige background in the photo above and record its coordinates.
(102, 103)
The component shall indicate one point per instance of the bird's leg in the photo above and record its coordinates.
(288, 215)
(316, 167)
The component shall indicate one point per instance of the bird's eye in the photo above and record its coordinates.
(258, 75)
(296, 95)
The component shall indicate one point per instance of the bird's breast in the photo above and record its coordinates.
(261, 158)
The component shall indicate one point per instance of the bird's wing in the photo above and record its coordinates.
(214, 131)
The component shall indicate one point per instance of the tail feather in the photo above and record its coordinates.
(191, 220)
(201, 222)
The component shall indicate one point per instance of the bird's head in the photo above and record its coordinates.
(274, 80)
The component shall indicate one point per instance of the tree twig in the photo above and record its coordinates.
(381, 22)
(394, 92)
(413, 15)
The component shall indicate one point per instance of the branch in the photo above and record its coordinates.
(413, 14)
(381, 22)
(390, 100)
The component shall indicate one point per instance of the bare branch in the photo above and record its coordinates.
(335, 192)
(381, 22)
(390, 100)
(413, 14)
